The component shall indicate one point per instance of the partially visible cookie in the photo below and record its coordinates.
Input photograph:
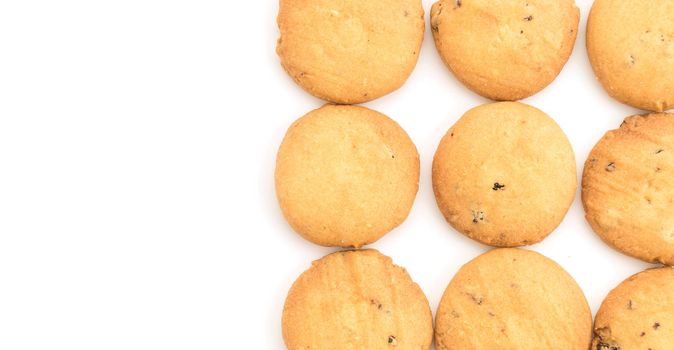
(513, 299)
(356, 300)
(628, 188)
(631, 48)
(504, 174)
(346, 175)
(350, 51)
(505, 49)
(638, 314)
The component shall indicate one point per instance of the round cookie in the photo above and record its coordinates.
(505, 49)
(356, 300)
(638, 314)
(346, 175)
(631, 48)
(350, 51)
(504, 174)
(628, 188)
(513, 299)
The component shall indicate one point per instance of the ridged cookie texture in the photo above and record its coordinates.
(628, 188)
(513, 299)
(504, 174)
(631, 48)
(350, 51)
(505, 50)
(346, 175)
(354, 300)
(638, 314)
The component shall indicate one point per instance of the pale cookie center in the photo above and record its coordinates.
(343, 30)
(656, 42)
(668, 235)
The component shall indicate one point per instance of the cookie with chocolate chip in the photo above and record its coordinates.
(628, 188)
(513, 299)
(504, 174)
(638, 314)
(346, 175)
(631, 48)
(505, 49)
(356, 300)
(350, 51)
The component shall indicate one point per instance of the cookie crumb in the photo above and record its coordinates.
(610, 167)
(478, 216)
(392, 340)
(476, 298)
(604, 346)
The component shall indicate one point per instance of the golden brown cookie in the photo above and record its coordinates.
(350, 51)
(504, 174)
(513, 299)
(505, 49)
(346, 175)
(628, 188)
(638, 314)
(356, 300)
(631, 48)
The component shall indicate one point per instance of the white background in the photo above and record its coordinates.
(137, 149)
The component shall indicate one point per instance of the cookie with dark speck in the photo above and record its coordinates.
(356, 300)
(505, 49)
(638, 314)
(350, 51)
(628, 188)
(346, 175)
(513, 299)
(631, 48)
(504, 174)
